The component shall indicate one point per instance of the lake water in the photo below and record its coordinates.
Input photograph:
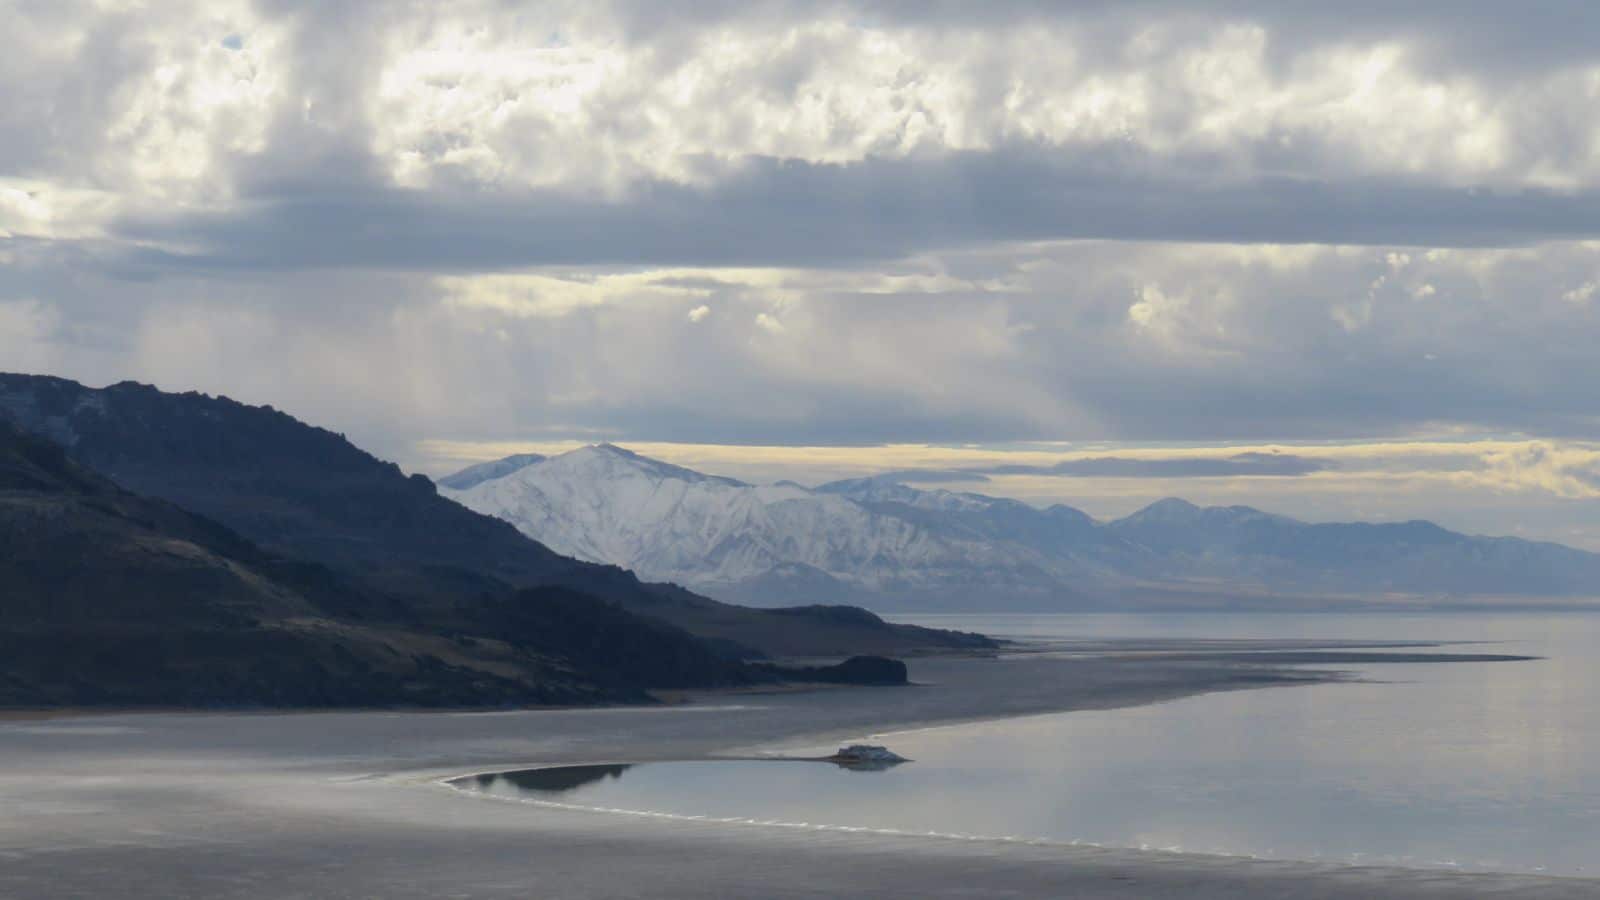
(1478, 766)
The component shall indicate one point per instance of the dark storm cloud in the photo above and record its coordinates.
(772, 212)
(298, 270)
(317, 196)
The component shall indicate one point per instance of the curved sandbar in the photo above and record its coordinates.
(312, 805)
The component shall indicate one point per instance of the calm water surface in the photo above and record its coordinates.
(1487, 766)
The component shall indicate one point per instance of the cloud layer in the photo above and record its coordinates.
(830, 224)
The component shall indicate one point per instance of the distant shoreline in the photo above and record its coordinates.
(1249, 655)
(287, 798)
(1263, 669)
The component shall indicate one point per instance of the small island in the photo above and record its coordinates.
(866, 756)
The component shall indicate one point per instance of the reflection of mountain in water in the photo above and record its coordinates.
(549, 781)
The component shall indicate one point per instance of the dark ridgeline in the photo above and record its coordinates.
(187, 549)
(115, 598)
(299, 490)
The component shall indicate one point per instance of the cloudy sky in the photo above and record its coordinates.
(1333, 259)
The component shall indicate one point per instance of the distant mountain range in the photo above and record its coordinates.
(181, 549)
(886, 544)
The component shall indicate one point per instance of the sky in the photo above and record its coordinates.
(1333, 260)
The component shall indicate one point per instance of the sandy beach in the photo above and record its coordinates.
(351, 805)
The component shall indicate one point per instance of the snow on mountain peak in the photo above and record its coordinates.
(608, 504)
(880, 538)
(486, 471)
(619, 461)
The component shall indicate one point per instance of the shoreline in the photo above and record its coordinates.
(1278, 657)
(1245, 653)
(270, 805)
(1279, 676)
(1059, 844)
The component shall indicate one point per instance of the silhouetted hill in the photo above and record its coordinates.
(107, 597)
(307, 493)
(290, 487)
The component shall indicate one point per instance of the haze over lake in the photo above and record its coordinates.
(1474, 766)
(514, 448)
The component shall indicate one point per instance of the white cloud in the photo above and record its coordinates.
(492, 97)
(558, 293)
(1154, 309)
(37, 209)
(1582, 294)
(170, 107)
(140, 103)
(183, 187)
(1563, 470)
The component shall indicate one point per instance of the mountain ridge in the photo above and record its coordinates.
(307, 493)
(111, 598)
(472, 475)
(914, 548)
(750, 542)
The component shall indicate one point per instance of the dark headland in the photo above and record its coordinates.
(175, 550)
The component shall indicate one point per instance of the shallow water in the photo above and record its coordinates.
(1483, 766)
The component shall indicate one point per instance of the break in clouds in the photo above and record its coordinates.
(829, 224)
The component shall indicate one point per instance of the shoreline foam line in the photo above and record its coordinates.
(1375, 863)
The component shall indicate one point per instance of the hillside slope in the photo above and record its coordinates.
(724, 536)
(307, 493)
(107, 597)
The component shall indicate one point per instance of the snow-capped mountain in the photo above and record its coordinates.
(473, 475)
(784, 541)
(880, 542)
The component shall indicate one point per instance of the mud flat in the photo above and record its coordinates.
(352, 805)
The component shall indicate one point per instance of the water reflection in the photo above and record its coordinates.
(560, 780)
(1485, 766)
(867, 765)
